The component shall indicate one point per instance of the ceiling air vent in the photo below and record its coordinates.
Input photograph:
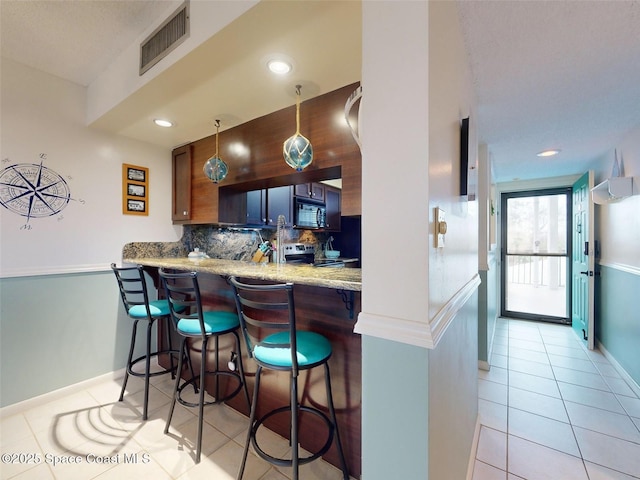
(171, 33)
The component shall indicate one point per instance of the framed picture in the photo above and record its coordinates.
(137, 174)
(135, 190)
(138, 206)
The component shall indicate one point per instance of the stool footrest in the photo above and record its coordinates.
(287, 462)
(193, 382)
(152, 374)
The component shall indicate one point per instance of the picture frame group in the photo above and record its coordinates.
(135, 190)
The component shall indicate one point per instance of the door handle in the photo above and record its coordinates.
(589, 273)
(584, 273)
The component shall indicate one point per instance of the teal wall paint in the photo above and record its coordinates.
(618, 317)
(483, 318)
(424, 399)
(453, 396)
(58, 330)
(394, 406)
(487, 309)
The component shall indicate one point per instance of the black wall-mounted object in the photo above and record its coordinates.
(464, 156)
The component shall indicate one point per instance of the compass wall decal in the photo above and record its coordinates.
(33, 190)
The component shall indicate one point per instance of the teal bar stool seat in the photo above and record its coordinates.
(267, 316)
(191, 321)
(135, 298)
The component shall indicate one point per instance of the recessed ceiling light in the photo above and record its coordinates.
(548, 153)
(163, 123)
(279, 66)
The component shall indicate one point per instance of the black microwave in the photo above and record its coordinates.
(309, 214)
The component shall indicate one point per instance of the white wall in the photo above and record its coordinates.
(619, 223)
(61, 318)
(450, 100)
(394, 122)
(43, 114)
(206, 18)
(453, 364)
(416, 88)
(617, 287)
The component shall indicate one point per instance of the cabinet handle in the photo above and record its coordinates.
(185, 212)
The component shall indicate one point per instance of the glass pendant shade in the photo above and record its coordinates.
(297, 149)
(298, 152)
(215, 168)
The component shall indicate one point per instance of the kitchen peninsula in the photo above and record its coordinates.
(228, 222)
(327, 301)
(339, 278)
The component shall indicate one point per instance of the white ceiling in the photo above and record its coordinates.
(553, 74)
(562, 74)
(74, 40)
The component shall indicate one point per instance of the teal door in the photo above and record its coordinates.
(583, 261)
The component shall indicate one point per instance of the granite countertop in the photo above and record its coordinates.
(339, 278)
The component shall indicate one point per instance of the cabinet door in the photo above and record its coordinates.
(257, 207)
(332, 198)
(181, 188)
(279, 202)
(318, 192)
(302, 190)
(314, 191)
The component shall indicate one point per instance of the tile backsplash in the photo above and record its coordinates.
(220, 242)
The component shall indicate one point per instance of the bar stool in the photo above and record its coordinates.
(135, 297)
(263, 308)
(191, 321)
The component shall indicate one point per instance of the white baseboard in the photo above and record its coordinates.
(54, 395)
(623, 373)
(474, 449)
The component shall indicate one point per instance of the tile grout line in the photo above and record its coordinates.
(593, 370)
(615, 394)
(566, 411)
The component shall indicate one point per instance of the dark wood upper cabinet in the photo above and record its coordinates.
(257, 207)
(265, 205)
(259, 163)
(314, 191)
(279, 202)
(332, 200)
(181, 178)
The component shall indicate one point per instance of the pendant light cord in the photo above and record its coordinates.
(217, 136)
(298, 87)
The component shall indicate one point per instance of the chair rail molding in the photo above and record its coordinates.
(413, 332)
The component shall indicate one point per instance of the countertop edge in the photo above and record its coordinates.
(338, 278)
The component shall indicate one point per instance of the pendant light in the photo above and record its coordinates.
(215, 169)
(297, 150)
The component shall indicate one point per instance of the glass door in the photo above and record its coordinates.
(535, 255)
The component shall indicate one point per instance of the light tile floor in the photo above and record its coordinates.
(551, 409)
(90, 435)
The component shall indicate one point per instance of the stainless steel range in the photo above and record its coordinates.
(299, 252)
(305, 253)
